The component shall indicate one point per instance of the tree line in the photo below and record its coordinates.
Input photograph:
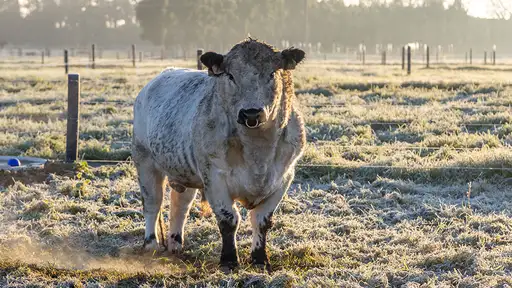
(217, 24)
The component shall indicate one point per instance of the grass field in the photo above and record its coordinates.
(406, 182)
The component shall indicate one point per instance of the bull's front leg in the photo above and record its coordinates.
(261, 221)
(228, 218)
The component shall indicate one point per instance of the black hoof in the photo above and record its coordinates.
(228, 267)
(263, 267)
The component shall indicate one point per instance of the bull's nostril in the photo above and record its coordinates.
(250, 117)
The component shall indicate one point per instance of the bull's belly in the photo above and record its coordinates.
(179, 173)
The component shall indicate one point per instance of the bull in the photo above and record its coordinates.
(234, 133)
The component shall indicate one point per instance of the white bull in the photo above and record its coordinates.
(233, 132)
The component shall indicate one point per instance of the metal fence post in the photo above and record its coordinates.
(409, 60)
(428, 56)
(93, 56)
(66, 63)
(199, 63)
(403, 58)
(133, 55)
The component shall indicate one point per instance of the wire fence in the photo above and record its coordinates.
(317, 144)
(314, 165)
(381, 56)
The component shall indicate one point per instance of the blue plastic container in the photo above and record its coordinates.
(14, 162)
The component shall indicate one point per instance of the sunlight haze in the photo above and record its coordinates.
(477, 8)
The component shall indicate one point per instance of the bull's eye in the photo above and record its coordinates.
(272, 75)
(230, 77)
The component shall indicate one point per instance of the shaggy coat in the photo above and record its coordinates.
(234, 133)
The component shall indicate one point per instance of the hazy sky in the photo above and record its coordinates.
(477, 8)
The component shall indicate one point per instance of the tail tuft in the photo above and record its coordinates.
(206, 210)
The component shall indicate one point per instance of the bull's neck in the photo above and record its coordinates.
(258, 146)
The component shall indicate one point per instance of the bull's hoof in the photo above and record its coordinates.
(263, 267)
(228, 267)
(152, 246)
(174, 244)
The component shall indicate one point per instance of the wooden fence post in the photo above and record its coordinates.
(66, 63)
(73, 120)
(409, 60)
(140, 56)
(471, 56)
(133, 55)
(403, 58)
(93, 56)
(384, 57)
(364, 55)
(494, 57)
(199, 63)
(42, 57)
(485, 58)
(428, 56)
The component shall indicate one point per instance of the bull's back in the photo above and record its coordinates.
(164, 115)
(171, 94)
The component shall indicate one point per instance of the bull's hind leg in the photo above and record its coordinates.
(180, 206)
(151, 183)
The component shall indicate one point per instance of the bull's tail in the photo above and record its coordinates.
(206, 210)
(162, 229)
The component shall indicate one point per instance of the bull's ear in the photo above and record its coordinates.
(213, 61)
(291, 57)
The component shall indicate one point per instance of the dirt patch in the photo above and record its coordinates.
(36, 175)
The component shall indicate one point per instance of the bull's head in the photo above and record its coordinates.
(250, 79)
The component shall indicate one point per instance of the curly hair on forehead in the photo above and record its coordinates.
(254, 44)
(254, 51)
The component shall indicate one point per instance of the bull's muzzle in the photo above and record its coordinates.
(251, 118)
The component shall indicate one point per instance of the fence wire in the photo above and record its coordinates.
(314, 165)
(128, 62)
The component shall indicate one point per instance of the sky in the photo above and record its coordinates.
(477, 8)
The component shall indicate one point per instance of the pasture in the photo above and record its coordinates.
(406, 182)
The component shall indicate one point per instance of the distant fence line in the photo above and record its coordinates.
(360, 55)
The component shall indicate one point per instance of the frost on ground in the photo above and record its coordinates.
(86, 228)
(345, 226)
